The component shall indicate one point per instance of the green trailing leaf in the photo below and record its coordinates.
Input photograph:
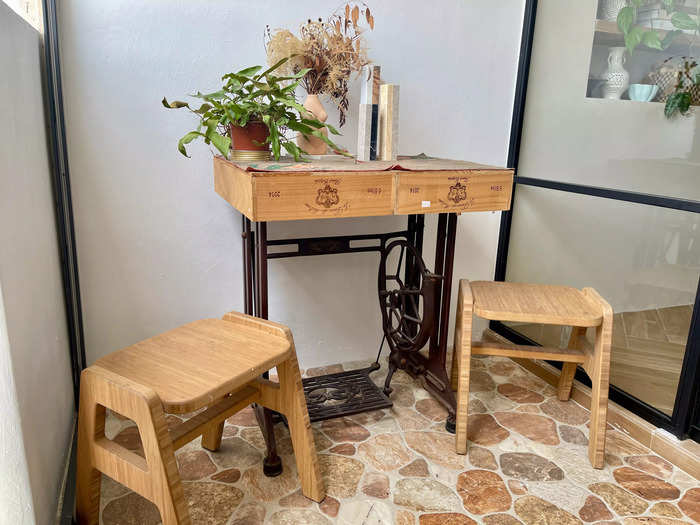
(249, 71)
(651, 40)
(683, 20)
(221, 142)
(189, 137)
(633, 38)
(332, 129)
(175, 104)
(625, 19)
(668, 39)
(203, 108)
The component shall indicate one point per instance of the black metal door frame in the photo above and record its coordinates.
(685, 420)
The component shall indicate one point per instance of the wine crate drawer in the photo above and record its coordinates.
(453, 191)
(322, 195)
(270, 196)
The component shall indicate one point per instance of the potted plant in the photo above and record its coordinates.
(686, 89)
(252, 112)
(328, 52)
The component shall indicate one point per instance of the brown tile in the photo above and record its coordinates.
(450, 518)
(618, 499)
(483, 492)
(329, 506)
(534, 427)
(594, 510)
(644, 485)
(376, 485)
(385, 452)
(651, 464)
(529, 467)
(690, 504)
(535, 511)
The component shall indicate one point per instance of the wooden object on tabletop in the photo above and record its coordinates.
(388, 121)
(213, 364)
(364, 132)
(369, 94)
(557, 305)
(338, 187)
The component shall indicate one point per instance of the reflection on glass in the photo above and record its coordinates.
(638, 50)
(573, 135)
(644, 260)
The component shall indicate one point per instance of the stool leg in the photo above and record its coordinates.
(91, 423)
(166, 492)
(597, 366)
(566, 379)
(156, 477)
(462, 355)
(211, 439)
(454, 369)
(294, 407)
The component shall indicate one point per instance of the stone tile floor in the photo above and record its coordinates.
(527, 464)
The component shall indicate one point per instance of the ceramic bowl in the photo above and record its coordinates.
(643, 92)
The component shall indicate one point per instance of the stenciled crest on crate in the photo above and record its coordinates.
(458, 193)
(327, 196)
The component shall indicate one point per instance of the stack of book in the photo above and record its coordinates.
(378, 125)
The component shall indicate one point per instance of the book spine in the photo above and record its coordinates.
(388, 121)
(374, 132)
(364, 132)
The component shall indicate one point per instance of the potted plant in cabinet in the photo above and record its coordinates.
(251, 115)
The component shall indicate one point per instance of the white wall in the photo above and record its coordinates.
(157, 246)
(30, 270)
(15, 491)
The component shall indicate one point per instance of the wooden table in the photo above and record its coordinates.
(335, 187)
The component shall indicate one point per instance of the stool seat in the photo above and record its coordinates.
(534, 303)
(196, 364)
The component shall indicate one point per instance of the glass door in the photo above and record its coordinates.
(608, 193)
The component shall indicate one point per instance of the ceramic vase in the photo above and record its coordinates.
(616, 77)
(314, 145)
(609, 9)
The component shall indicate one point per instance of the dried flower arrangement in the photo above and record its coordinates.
(331, 50)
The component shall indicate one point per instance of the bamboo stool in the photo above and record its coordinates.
(544, 304)
(214, 363)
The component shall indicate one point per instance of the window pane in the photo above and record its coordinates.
(644, 260)
(619, 144)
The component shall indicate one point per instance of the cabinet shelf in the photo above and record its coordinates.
(608, 34)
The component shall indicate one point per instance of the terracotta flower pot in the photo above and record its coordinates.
(314, 145)
(249, 140)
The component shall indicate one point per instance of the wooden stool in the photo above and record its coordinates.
(531, 303)
(210, 363)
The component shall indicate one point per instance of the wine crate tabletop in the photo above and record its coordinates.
(331, 186)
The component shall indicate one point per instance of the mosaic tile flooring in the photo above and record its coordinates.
(527, 464)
